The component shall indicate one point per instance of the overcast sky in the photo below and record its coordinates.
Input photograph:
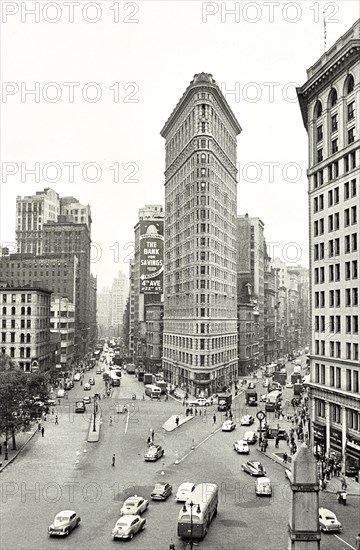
(129, 63)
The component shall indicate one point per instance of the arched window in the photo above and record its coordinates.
(22, 338)
(28, 338)
(22, 311)
(332, 98)
(318, 109)
(28, 352)
(13, 310)
(349, 84)
(29, 311)
(4, 311)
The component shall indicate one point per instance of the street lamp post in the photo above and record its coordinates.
(94, 424)
(198, 511)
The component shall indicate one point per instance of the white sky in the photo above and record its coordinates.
(159, 54)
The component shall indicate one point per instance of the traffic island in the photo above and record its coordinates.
(94, 435)
(171, 425)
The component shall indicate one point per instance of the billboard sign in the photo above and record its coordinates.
(151, 256)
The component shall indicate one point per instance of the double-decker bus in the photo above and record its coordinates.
(194, 520)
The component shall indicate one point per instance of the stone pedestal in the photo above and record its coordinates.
(304, 530)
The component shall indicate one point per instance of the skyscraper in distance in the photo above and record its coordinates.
(200, 318)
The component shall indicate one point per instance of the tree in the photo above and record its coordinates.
(17, 404)
(6, 363)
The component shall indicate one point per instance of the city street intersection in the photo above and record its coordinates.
(63, 471)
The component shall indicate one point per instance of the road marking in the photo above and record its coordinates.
(344, 541)
(198, 445)
(127, 422)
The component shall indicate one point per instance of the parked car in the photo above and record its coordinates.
(253, 468)
(241, 447)
(127, 526)
(64, 522)
(247, 420)
(263, 487)
(184, 491)
(328, 521)
(161, 491)
(134, 505)
(87, 386)
(228, 426)
(77, 377)
(154, 453)
(250, 438)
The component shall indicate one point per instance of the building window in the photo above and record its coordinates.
(319, 153)
(351, 110)
(351, 136)
(336, 414)
(318, 109)
(332, 376)
(334, 123)
(334, 146)
(319, 133)
(332, 98)
(338, 377)
(349, 84)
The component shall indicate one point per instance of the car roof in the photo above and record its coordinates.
(186, 484)
(263, 480)
(241, 441)
(134, 497)
(249, 433)
(66, 513)
(128, 518)
(326, 512)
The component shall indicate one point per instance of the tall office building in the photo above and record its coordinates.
(146, 273)
(330, 107)
(119, 294)
(200, 317)
(104, 312)
(32, 212)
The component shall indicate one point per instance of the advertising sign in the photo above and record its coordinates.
(151, 256)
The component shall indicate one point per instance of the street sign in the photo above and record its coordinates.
(260, 415)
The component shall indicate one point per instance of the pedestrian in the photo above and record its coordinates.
(42, 431)
(343, 483)
(56, 419)
(110, 420)
(285, 458)
(152, 433)
(357, 542)
(177, 419)
(39, 425)
(276, 442)
(149, 441)
(196, 411)
(52, 411)
(113, 460)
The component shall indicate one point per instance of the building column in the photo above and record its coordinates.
(343, 438)
(327, 426)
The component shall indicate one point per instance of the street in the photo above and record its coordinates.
(62, 471)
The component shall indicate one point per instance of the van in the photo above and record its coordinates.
(263, 487)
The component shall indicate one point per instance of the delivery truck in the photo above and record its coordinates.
(251, 398)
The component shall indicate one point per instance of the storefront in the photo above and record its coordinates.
(335, 440)
(352, 457)
(319, 438)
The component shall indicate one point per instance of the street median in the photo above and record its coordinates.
(94, 435)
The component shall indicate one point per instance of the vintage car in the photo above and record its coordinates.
(161, 491)
(250, 438)
(134, 505)
(228, 426)
(64, 522)
(247, 420)
(241, 447)
(328, 521)
(154, 453)
(263, 487)
(184, 491)
(253, 468)
(127, 526)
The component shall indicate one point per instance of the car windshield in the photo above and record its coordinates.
(121, 524)
(159, 487)
(61, 519)
(131, 504)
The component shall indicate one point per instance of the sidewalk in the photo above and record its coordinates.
(22, 439)
(170, 424)
(333, 486)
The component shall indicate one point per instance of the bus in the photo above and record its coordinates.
(272, 400)
(270, 369)
(162, 385)
(152, 391)
(194, 522)
(114, 378)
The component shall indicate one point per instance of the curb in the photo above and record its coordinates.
(93, 437)
(10, 460)
(182, 421)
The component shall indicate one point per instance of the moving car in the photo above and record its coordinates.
(87, 386)
(98, 371)
(247, 420)
(154, 453)
(134, 505)
(184, 491)
(250, 438)
(161, 491)
(241, 447)
(87, 399)
(328, 521)
(64, 522)
(263, 487)
(60, 393)
(80, 407)
(127, 526)
(200, 402)
(228, 426)
(77, 377)
(253, 468)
